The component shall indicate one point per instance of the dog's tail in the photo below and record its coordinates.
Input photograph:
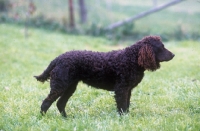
(46, 74)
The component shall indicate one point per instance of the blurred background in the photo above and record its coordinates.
(92, 17)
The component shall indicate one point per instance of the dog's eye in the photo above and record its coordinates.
(161, 46)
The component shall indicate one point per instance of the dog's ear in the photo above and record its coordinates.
(146, 58)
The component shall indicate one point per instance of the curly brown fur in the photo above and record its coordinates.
(119, 71)
(147, 59)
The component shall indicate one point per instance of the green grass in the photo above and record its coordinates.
(168, 99)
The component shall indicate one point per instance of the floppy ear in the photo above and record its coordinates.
(146, 58)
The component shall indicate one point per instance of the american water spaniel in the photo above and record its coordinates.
(118, 71)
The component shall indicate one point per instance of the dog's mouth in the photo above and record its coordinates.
(166, 57)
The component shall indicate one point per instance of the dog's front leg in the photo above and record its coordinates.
(121, 97)
(128, 100)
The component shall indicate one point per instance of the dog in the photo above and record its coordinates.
(118, 71)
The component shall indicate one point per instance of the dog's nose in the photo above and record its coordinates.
(173, 55)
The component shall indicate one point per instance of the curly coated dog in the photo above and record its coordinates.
(119, 71)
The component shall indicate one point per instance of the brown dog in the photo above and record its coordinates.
(119, 71)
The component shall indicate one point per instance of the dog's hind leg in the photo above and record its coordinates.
(56, 91)
(61, 103)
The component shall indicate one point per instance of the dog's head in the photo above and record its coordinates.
(152, 52)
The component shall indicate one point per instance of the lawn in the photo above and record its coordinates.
(168, 99)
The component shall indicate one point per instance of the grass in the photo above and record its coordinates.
(168, 99)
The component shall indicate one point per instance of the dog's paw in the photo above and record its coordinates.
(63, 113)
(42, 113)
